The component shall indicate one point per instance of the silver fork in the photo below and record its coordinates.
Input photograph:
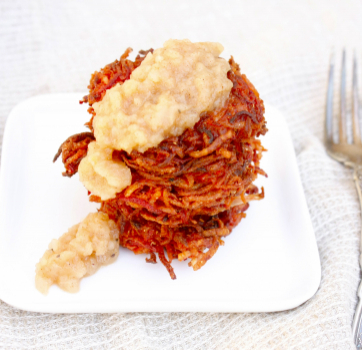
(349, 154)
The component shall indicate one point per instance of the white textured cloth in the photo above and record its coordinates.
(283, 47)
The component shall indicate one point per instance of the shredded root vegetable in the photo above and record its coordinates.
(190, 191)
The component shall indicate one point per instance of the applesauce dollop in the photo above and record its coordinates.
(164, 96)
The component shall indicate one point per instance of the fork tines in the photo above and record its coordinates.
(342, 119)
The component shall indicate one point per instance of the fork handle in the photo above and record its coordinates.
(356, 325)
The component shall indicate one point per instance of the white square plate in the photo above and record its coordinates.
(270, 262)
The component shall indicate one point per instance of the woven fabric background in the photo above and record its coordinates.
(284, 48)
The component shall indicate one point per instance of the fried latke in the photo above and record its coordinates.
(190, 191)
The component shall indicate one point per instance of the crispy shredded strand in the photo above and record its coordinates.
(73, 150)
